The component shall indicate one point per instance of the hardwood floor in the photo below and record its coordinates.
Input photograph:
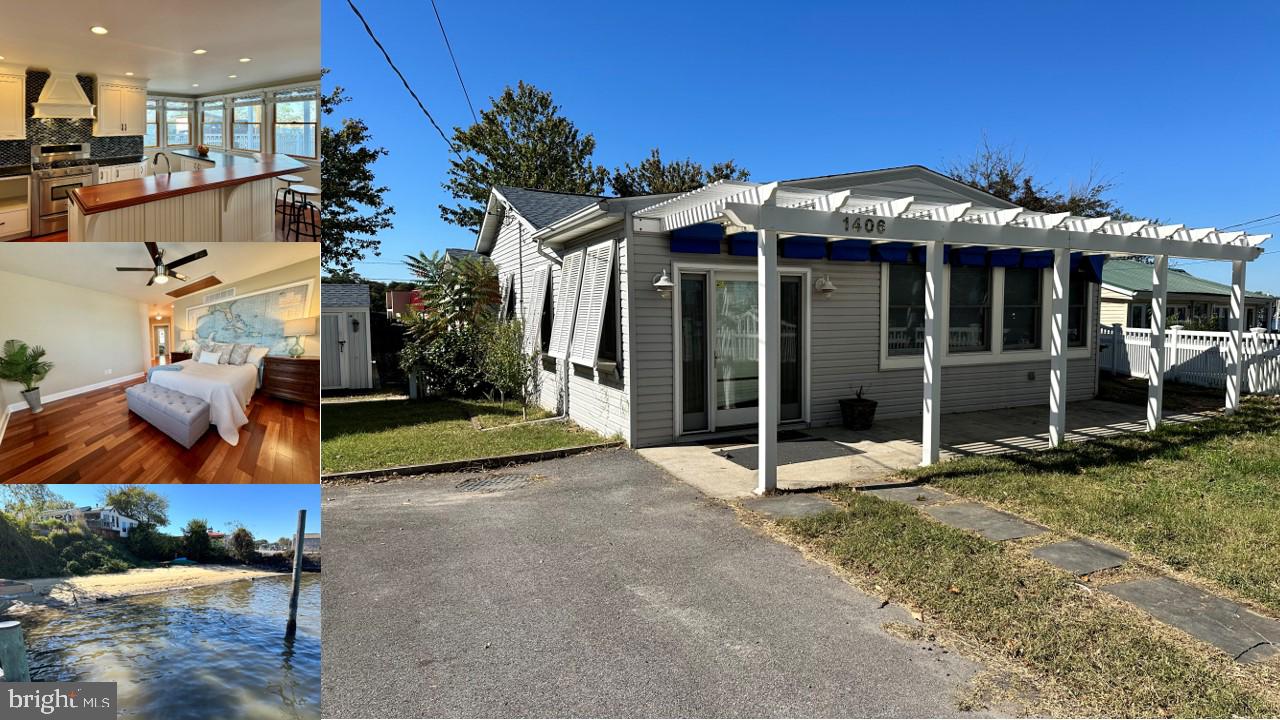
(94, 438)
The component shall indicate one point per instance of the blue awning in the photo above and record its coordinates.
(743, 243)
(1007, 257)
(1037, 259)
(851, 250)
(811, 247)
(974, 256)
(701, 238)
(894, 252)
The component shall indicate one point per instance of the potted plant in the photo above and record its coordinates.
(858, 412)
(24, 364)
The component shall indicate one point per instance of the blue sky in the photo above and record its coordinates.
(269, 511)
(1174, 101)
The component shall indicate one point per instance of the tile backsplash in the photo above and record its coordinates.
(40, 132)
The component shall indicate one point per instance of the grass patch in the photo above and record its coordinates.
(387, 433)
(1201, 498)
(1096, 655)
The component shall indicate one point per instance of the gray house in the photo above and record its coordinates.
(647, 310)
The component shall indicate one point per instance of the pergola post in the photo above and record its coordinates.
(1059, 306)
(768, 357)
(1235, 344)
(931, 434)
(1156, 359)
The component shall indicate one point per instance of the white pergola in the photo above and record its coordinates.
(772, 210)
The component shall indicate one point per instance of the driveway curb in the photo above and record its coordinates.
(472, 464)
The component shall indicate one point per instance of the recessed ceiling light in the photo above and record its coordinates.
(245, 59)
(199, 51)
(98, 30)
(195, 84)
(229, 77)
(1, 57)
(129, 74)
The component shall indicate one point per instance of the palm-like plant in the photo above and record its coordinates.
(25, 364)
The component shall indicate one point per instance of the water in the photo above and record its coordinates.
(216, 651)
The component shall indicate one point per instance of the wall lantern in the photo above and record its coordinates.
(662, 283)
(825, 286)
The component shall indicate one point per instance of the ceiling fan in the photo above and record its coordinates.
(160, 270)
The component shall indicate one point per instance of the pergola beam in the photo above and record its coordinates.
(1235, 344)
(1157, 356)
(768, 359)
(1059, 305)
(931, 434)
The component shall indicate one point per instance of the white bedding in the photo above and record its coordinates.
(227, 389)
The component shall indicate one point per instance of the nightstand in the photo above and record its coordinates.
(288, 378)
(179, 356)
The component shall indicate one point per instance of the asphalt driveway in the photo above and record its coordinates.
(605, 588)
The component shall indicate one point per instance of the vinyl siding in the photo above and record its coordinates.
(845, 352)
(511, 255)
(1114, 312)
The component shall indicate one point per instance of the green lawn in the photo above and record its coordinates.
(373, 434)
(1077, 652)
(1203, 497)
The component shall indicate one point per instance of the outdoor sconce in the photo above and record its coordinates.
(662, 283)
(355, 325)
(825, 286)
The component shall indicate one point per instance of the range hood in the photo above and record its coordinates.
(62, 97)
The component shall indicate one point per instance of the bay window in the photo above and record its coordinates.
(246, 123)
(213, 123)
(1023, 308)
(905, 321)
(296, 122)
(177, 122)
(970, 329)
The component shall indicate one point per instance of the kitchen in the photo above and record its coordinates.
(129, 121)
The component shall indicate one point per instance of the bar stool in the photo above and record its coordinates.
(289, 181)
(300, 213)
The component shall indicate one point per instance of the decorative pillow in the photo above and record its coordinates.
(239, 353)
(256, 355)
(224, 351)
(209, 358)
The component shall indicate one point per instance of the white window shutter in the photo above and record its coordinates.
(504, 287)
(596, 279)
(566, 304)
(533, 310)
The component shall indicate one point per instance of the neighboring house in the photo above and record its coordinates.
(217, 538)
(311, 543)
(347, 350)
(1126, 298)
(399, 302)
(653, 337)
(100, 520)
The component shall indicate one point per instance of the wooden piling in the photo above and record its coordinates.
(13, 653)
(297, 574)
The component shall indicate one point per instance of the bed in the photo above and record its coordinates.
(227, 389)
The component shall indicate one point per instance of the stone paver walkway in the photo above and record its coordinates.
(790, 505)
(1241, 633)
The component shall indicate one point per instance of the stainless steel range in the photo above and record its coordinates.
(56, 170)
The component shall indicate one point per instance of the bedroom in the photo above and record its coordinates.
(168, 362)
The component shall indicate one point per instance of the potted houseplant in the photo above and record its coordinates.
(24, 364)
(858, 412)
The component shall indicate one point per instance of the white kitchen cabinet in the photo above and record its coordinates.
(13, 103)
(15, 203)
(121, 109)
(116, 173)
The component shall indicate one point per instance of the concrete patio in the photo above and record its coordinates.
(824, 456)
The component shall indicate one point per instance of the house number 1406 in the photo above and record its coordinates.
(864, 225)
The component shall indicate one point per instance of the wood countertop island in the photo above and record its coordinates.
(232, 202)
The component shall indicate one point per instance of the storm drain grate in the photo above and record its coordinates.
(493, 483)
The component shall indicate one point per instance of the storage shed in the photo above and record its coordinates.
(344, 335)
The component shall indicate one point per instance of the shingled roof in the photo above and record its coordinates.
(343, 296)
(1135, 276)
(541, 208)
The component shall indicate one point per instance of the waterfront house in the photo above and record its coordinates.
(665, 319)
(103, 521)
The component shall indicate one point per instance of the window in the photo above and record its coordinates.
(246, 123)
(152, 136)
(1023, 305)
(545, 320)
(906, 309)
(1077, 310)
(1138, 316)
(610, 349)
(970, 309)
(596, 293)
(296, 122)
(213, 123)
(177, 122)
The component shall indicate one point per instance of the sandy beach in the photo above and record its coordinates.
(141, 581)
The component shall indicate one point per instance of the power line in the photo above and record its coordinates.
(1250, 222)
(405, 82)
(456, 69)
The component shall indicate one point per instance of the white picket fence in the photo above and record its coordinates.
(1195, 357)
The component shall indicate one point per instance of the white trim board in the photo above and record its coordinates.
(16, 406)
(4, 421)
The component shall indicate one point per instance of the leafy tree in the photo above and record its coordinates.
(522, 140)
(285, 542)
(148, 543)
(242, 546)
(1002, 172)
(505, 365)
(24, 503)
(354, 211)
(137, 502)
(195, 540)
(655, 177)
(445, 341)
